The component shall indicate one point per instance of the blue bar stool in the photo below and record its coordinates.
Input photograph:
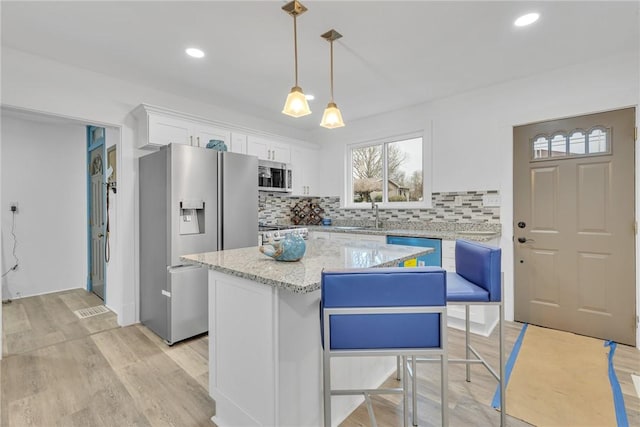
(477, 281)
(384, 312)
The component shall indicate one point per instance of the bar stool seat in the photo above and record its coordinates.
(460, 289)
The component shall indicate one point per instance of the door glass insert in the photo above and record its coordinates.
(577, 142)
(541, 147)
(598, 141)
(558, 145)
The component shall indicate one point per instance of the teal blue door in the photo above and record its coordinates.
(96, 210)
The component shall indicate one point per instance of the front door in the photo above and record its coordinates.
(574, 225)
(97, 194)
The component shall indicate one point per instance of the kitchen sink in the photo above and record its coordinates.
(344, 227)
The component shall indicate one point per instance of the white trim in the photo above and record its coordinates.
(226, 126)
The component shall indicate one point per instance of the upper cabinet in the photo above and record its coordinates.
(238, 143)
(203, 133)
(267, 149)
(158, 127)
(306, 176)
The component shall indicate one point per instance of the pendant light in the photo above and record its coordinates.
(296, 104)
(332, 118)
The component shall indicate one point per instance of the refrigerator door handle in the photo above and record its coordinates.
(182, 267)
(220, 212)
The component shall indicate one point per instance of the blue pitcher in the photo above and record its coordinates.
(291, 248)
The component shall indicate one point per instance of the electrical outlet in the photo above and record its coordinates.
(13, 207)
(491, 200)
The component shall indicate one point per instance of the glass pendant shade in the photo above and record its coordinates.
(296, 104)
(332, 118)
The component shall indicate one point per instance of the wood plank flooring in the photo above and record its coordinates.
(59, 370)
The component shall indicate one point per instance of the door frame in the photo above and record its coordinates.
(510, 301)
(100, 144)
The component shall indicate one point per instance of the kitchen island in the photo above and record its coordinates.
(265, 363)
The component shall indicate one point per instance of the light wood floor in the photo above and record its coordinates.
(62, 371)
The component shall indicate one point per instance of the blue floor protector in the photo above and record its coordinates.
(509, 367)
(618, 399)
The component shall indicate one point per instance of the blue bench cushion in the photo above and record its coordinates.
(479, 264)
(460, 289)
(383, 287)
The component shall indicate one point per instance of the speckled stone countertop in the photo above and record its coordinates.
(477, 235)
(304, 276)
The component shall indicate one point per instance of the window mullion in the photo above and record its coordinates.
(385, 171)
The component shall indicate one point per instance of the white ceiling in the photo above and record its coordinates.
(393, 54)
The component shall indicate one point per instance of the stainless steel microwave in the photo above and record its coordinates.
(274, 176)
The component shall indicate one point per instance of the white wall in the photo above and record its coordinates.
(43, 169)
(472, 140)
(37, 84)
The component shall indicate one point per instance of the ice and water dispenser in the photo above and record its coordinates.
(192, 217)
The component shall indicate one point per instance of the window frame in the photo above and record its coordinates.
(347, 200)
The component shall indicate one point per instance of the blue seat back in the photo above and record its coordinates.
(480, 264)
(384, 287)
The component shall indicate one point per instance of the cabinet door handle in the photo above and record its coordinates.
(191, 140)
(198, 139)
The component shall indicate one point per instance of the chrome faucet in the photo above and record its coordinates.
(374, 206)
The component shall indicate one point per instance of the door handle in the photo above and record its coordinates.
(525, 240)
(100, 235)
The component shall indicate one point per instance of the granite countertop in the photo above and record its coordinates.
(471, 234)
(304, 276)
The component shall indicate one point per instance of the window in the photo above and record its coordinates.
(398, 163)
(575, 143)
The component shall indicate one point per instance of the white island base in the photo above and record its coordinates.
(265, 361)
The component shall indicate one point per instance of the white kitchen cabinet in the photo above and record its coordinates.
(267, 149)
(238, 143)
(158, 127)
(202, 134)
(306, 176)
(163, 130)
(449, 255)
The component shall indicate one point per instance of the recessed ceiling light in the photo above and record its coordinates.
(310, 97)
(527, 19)
(196, 53)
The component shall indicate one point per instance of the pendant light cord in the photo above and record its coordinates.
(295, 46)
(331, 70)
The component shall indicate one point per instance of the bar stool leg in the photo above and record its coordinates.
(503, 387)
(414, 390)
(326, 374)
(467, 326)
(405, 393)
(398, 368)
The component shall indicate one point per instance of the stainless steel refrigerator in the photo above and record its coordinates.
(192, 200)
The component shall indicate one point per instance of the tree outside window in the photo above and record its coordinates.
(396, 163)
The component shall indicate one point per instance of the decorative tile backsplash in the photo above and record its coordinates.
(462, 207)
